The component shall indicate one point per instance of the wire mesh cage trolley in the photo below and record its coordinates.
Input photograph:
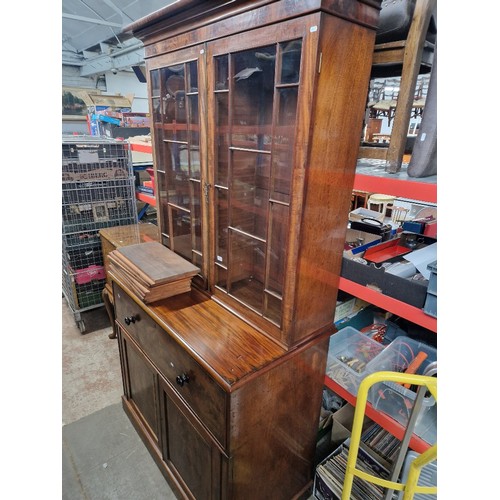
(98, 191)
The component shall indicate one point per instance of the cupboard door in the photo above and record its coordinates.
(178, 124)
(188, 449)
(254, 86)
(141, 387)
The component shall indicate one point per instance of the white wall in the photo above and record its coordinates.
(125, 82)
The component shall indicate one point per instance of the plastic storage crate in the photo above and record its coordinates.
(349, 353)
(98, 191)
(396, 400)
(428, 477)
(430, 306)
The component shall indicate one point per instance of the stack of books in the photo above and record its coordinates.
(151, 270)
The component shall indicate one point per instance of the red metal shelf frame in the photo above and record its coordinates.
(411, 313)
(146, 198)
(389, 424)
(142, 148)
(414, 190)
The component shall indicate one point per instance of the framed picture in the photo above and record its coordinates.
(72, 104)
(100, 211)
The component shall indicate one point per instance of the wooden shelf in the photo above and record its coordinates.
(411, 313)
(389, 424)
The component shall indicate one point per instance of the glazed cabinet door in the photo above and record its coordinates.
(140, 382)
(188, 449)
(258, 88)
(177, 104)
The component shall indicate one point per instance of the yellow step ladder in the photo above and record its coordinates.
(410, 488)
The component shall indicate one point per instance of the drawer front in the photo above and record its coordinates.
(189, 380)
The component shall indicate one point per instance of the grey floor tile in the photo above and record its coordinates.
(104, 459)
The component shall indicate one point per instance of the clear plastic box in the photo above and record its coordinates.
(396, 400)
(428, 476)
(349, 353)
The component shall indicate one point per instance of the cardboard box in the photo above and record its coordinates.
(348, 308)
(342, 424)
(362, 239)
(135, 120)
(373, 275)
(96, 101)
(406, 290)
(363, 213)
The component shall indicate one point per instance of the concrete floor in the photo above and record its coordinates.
(91, 378)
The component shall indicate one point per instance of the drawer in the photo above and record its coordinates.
(188, 378)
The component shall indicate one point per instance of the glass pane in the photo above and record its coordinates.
(156, 110)
(193, 112)
(194, 136)
(179, 157)
(221, 225)
(197, 260)
(181, 222)
(246, 266)
(253, 89)
(176, 157)
(180, 133)
(287, 110)
(273, 309)
(177, 171)
(165, 240)
(250, 192)
(221, 277)
(174, 109)
(290, 61)
(194, 161)
(222, 137)
(278, 240)
(161, 187)
(283, 144)
(175, 132)
(221, 73)
(155, 82)
(192, 73)
(162, 203)
(196, 211)
(159, 148)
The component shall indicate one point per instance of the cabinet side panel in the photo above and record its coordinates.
(346, 54)
(274, 422)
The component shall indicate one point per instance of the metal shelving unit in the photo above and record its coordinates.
(97, 192)
(370, 178)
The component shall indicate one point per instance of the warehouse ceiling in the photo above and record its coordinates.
(92, 37)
